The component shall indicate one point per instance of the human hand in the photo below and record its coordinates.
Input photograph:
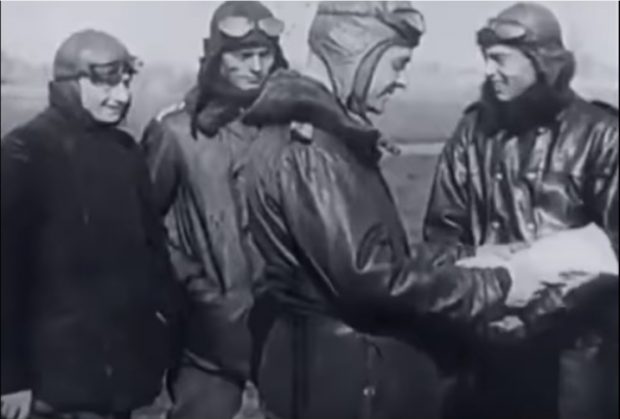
(507, 329)
(492, 255)
(17, 405)
(528, 279)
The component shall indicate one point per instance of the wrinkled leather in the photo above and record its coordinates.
(501, 189)
(556, 177)
(504, 189)
(339, 272)
(199, 189)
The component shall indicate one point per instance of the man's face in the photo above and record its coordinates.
(106, 103)
(389, 77)
(247, 68)
(509, 71)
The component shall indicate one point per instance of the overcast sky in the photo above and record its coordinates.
(171, 31)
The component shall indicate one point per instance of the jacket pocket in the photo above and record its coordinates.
(558, 192)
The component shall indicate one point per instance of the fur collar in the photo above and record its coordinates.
(213, 115)
(538, 106)
(289, 97)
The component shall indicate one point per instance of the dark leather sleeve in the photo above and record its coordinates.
(168, 290)
(351, 251)
(18, 223)
(215, 335)
(447, 213)
(163, 160)
(602, 190)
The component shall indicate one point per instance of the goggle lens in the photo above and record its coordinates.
(113, 73)
(239, 26)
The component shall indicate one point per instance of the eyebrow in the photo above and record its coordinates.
(402, 60)
(497, 54)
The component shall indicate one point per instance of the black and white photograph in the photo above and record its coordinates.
(309, 209)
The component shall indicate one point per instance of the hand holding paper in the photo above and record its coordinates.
(565, 259)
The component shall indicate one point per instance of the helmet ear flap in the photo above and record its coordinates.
(556, 70)
(567, 71)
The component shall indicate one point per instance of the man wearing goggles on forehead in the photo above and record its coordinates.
(195, 152)
(104, 79)
(110, 74)
(528, 160)
(87, 289)
(345, 306)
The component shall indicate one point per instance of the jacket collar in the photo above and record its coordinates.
(289, 97)
(212, 116)
(540, 105)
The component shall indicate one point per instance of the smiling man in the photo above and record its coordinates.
(195, 151)
(86, 279)
(529, 159)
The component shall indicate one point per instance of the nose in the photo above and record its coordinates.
(490, 68)
(401, 80)
(120, 93)
(255, 64)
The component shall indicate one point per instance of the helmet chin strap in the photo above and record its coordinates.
(357, 101)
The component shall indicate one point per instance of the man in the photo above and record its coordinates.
(343, 300)
(86, 281)
(529, 159)
(195, 152)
